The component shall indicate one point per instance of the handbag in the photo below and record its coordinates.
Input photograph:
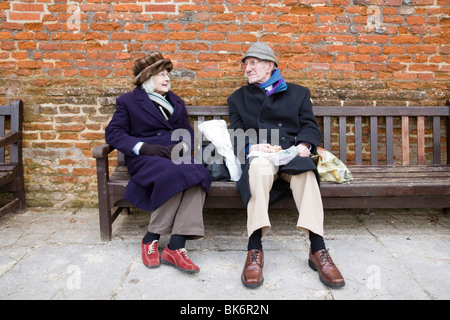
(214, 162)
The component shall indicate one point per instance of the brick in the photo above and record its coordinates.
(122, 36)
(107, 26)
(182, 35)
(373, 39)
(20, 16)
(94, 7)
(212, 36)
(127, 8)
(415, 20)
(405, 39)
(58, 8)
(159, 8)
(300, 10)
(342, 66)
(428, 49)
(275, 39)
(5, 5)
(224, 17)
(5, 35)
(194, 46)
(226, 47)
(341, 48)
(29, 7)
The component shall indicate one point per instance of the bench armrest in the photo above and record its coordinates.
(102, 151)
(9, 138)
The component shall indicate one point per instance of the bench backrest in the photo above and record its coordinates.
(384, 135)
(11, 121)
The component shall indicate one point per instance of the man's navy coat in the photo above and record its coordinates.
(154, 180)
(289, 114)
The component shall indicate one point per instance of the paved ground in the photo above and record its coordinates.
(383, 254)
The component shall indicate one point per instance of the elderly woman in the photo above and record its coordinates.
(142, 128)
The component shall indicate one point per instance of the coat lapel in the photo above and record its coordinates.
(148, 106)
(262, 101)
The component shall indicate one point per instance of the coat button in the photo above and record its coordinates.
(159, 133)
(283, 138)
(262, 121)
(280, 124)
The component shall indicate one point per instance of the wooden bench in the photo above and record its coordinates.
(376, 144)
(11, 162)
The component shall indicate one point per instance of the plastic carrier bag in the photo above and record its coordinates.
(216, 131)
(330, 168)
(279, 158)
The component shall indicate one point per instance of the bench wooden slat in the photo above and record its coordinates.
(374, 140)
(358, 140)
(343, 139)
(405, 140)
(327, 132)
(389, 140)
(437, 140)
(351, 111)
(420, 140)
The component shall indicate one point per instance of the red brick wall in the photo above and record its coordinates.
(69, 61)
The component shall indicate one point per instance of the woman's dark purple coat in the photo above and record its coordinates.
(154, 180)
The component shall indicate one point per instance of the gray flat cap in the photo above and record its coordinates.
(261, 51)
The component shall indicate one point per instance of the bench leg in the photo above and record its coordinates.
(104, 214)
(105, 222)
(21, 193)
(103, 203)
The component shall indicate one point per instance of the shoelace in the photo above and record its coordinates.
(152, 247)
(325, 257)
(184, 252)
(254, 257)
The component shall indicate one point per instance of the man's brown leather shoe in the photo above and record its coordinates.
(252, 275)
(328, 272)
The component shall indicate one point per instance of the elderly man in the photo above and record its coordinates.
(266, 104)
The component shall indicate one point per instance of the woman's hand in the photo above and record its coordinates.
(156, 150)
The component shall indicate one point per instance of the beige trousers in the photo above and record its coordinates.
(182, 214)
(305, 190)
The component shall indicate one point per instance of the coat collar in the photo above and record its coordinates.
(150, 107)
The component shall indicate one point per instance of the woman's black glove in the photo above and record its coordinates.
(156, 150)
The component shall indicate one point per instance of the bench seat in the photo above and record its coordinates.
(372, 187)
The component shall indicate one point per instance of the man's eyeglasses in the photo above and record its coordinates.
(251, 63)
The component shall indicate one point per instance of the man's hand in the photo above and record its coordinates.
(264, 147)
(303, 149)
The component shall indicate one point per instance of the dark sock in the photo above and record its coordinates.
(149, 237)
(177, 242)
(317, 242)
(254, 241)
